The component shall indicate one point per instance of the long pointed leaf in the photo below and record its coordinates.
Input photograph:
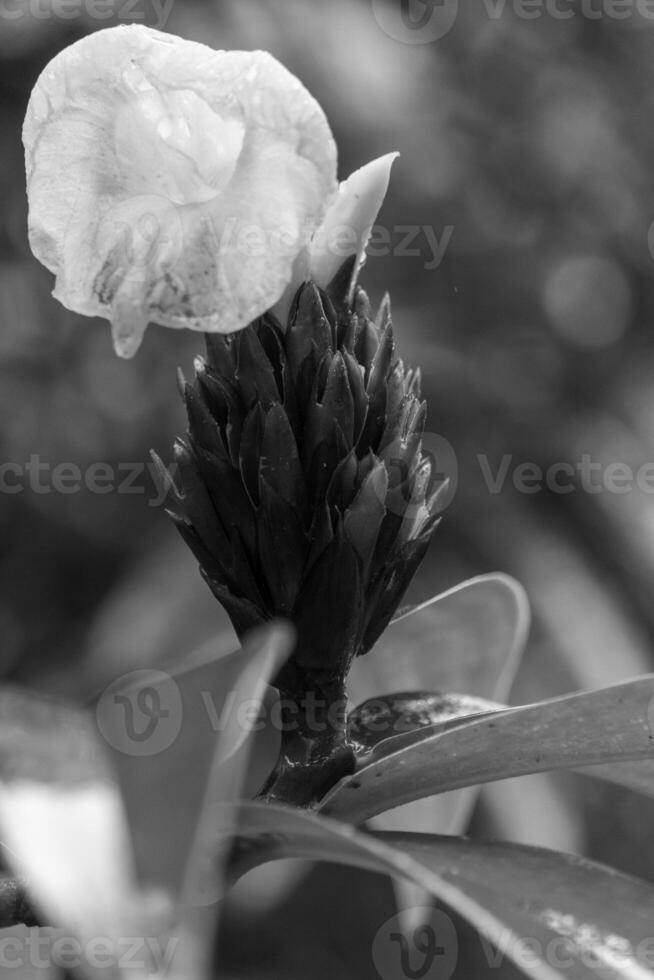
(171, 738)
(194, 757)
(469, 639)
(459, 710)
(606, 726)
(553, 915)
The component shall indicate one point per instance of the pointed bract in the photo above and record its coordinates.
(303, 489)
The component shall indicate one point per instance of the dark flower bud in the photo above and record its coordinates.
(302, 489)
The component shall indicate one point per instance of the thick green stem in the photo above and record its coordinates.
(315, 750)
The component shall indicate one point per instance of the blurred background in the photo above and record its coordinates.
(517, 248)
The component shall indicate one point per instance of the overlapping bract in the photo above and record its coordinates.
(302, 489)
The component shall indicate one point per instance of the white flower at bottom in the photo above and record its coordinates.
(171, 183)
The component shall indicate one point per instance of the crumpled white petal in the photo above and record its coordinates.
(172, 183)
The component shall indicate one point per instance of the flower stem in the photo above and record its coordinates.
(315, 749)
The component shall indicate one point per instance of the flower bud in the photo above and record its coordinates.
(303, 491)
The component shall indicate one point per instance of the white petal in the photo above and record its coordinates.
(346, 228)
(172, 183)
(71, 842)
(63, 825)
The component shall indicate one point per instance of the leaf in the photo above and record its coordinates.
(62, 816)
(194, 756)
(610, 725)
(637, 776)
(62, 820)
(157, 614)
(381, 726)
(170, 736)
(542, 809)
(468, 639)
(552, 914)
(406, 716)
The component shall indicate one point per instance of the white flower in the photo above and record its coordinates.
(172, 183)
